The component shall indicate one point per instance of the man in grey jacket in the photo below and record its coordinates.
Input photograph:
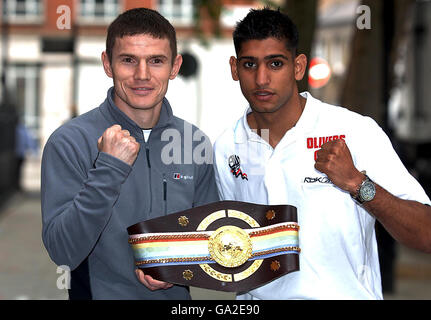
(118, 165)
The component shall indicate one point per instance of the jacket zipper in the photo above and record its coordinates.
(147, 152)
(165, 194)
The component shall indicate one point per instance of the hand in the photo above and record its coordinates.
(151, 283)
(334, 160)
(119, 143)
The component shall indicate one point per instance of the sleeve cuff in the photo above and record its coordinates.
(113, 162)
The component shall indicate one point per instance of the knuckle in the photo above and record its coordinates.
(331, 157)
(112, 130)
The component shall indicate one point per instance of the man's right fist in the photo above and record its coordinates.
(119, 143)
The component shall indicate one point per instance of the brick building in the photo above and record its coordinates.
(51, 51)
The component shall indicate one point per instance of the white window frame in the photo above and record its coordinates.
(91, 7)
(33, 11)
(178, 14)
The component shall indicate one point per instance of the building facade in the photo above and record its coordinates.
(51, 54)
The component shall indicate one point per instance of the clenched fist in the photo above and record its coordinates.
(119, 143)
(335, 160)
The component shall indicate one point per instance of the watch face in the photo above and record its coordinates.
(367, 191)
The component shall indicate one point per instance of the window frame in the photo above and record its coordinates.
(34, 11)
(95, 19)
(168, 8)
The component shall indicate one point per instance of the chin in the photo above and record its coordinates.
(264, 109)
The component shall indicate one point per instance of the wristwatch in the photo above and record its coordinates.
(366, 191)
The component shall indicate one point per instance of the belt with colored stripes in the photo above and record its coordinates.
(227, 245)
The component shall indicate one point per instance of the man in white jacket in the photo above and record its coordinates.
(337, 167)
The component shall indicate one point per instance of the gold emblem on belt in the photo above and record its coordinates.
(230, 246)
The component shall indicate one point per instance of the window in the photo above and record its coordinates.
(22, 10)
(177, 11)
(23, 82)
(98, 10)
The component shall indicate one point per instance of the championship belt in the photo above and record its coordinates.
(226, 245)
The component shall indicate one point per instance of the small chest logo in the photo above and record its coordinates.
(323, 179)
(178, 176)
(235, 167)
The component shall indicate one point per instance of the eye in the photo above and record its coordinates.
(276, 64)
(249, 64)
(156, 61)
(127, 60)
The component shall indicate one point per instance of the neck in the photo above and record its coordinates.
(144, 118)
(277, 123)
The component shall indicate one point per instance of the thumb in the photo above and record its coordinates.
(99, 143)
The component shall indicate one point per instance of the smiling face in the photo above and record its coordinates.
(267, 72)
(141, 68)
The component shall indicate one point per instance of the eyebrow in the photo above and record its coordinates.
(160, 56)
(271, 56)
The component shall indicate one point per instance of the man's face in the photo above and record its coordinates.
(141, 68)
(267, 73)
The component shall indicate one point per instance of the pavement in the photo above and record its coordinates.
(27, 272)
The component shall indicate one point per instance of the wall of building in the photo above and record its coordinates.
(213, 99)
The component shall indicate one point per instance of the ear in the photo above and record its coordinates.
(300, 66)
(234, 68)
(106, 64)
(176, 66)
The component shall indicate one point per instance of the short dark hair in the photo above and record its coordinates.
(141, 21)
(260, 24)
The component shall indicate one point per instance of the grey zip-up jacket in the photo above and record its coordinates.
(89, 198)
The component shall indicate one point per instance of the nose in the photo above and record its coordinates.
(142, 71)
(262, 76)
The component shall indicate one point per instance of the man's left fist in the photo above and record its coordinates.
(334, 160)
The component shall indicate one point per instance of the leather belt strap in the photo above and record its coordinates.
(226, 245)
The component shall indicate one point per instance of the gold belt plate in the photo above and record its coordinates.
(230, 246)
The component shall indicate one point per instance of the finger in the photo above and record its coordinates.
(125, 140)
(111, 132)
(141, 276)
(157, 283)
(126, 133)
(321, 155)
(319, 167)
(99, 144)
(151, 283)
(116, 127)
